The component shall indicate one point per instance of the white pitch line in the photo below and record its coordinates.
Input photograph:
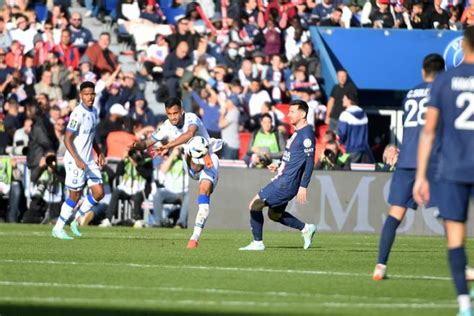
(207, 291)
(248, 303)
(214, 268)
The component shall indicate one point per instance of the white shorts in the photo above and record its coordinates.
(210, 174)
(77, 178)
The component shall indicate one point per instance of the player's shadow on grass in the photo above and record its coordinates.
(77, 311)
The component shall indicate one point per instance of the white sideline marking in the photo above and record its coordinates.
(121, 301)
(214, 268)
(206, 290)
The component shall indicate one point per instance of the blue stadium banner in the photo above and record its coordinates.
(387, 59)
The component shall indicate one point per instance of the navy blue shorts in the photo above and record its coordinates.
(401, 188)
(453, 201)
(275, 197)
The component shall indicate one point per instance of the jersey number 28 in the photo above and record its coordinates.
(415, 112)
(462, 121)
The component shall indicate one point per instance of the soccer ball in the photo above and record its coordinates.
(198, 147)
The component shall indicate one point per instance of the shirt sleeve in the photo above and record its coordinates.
(74, 123)
(308, 145)
(435, 93)
(159, 134)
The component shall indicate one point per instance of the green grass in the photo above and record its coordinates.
(150, 271)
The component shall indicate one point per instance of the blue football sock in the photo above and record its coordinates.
(289, 220)
(256, 222)
(387, 237)
(457, 262)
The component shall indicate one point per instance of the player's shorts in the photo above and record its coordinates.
(77, 178)
(210, 174)
(453, 200)
(275, 197)
(401, 188)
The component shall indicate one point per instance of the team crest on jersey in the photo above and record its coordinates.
(73, 124)
(453, 54)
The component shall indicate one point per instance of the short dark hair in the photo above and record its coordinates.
(86, 84)
(352, 96)
(264, 115)
(433, 64)
(302, 105)
(172, 102)
(469, 36)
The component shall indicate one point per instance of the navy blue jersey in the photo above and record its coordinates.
(414, 106)
(452, 94)
(297, 162)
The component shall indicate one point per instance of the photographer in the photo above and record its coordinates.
(266, 144)
(134, 174)
(47, 183)
(333, 159)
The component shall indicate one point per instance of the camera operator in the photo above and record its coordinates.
(333, 159)
(47, 181)
(134, 173)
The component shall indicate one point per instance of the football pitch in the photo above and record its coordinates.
(124, 271)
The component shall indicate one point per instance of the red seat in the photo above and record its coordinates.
(244, 140)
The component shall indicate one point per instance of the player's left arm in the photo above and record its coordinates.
(308, 171)
(181, 139)
(421, 189)
(100, 155)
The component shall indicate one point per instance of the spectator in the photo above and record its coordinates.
(245, 73)
(255, 97)
(81, 37)
(114, 122)
(28, 74)
(272, 35)
(5, 38)
(210, 110)
(300, 79)
(322, 11)
(334, 19)
(436, 17)
(67, 52)
(183, 33)
(275, 79)
(60, 130)
(334, 106)
(229, 125)
(266, 145)
(141, 113)
(23, 33)
(378, 14)
(156, 55)
(134, 183)
(333, 159)
(308, 57)
(353, 130)
(232, 58)
(417, 18)
(316, 111)
(454, 16)
(17, 201)
(45, 86)
(119, 141)
(467, 18)
(100, 55)
(175, 189)
(174, 67)
(390, 158)
(13, 120)
(14, 57)
(5, 70)
(21, 138)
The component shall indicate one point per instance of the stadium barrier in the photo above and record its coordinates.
(338, 201)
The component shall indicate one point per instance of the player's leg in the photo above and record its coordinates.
(66, 210)
(205, 189)
(400, 199)
(387, 237)
(256, 223)
(278, 214)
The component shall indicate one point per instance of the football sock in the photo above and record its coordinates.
(457, 263)
(66, 211)
(464, 302)
(256, 223)
(289, 220)
(387, 237)
(201, 217)
(86, 206)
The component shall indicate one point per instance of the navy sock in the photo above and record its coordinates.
(387, 237)
(289, 220)
(256, 222)
(457, 262)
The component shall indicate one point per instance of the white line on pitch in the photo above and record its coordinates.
(214, 268)
(205, 290)
(125, 301)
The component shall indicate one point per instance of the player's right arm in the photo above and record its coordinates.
(71, 130)
(182, 139)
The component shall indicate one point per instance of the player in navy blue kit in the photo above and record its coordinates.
(451, 110)
(400, 197)
(291, 180)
